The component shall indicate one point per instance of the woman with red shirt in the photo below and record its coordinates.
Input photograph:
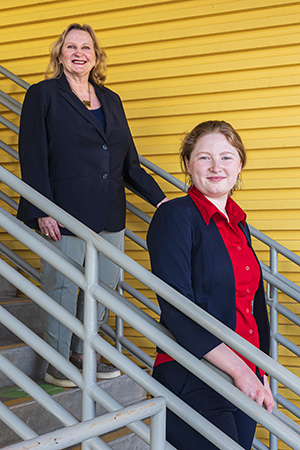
(200, 245)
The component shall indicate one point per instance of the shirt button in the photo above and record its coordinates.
(105, 176)
(250, 331)
(247, 310)
(247, 268)
(104, 146)
(239, 247)
(248, 291)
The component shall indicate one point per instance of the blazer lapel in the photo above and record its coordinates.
(107, 109)
(70, 97)
(246, 233)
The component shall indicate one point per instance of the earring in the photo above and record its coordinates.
(238, 184)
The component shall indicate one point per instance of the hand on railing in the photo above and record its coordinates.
(50, 227)
(243, 377)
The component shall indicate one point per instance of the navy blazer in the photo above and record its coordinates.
(67, 156)
(192, 258)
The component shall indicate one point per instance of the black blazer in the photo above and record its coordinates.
(67, 156)
(192, 258)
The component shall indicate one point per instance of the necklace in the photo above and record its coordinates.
(86, 103)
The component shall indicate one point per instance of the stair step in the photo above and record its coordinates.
(24, 310)
(23, 357)
(35, 416)
(128, 441)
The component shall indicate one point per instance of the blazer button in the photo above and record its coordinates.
(104, 147)
(105, 176)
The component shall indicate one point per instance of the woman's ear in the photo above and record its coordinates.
(187, 164)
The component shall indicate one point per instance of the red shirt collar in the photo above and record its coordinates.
(208, 209)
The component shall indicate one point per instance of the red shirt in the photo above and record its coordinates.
(245, 266)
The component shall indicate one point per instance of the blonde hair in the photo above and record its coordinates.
(55, 69)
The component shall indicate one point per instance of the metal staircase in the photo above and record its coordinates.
(94, 396)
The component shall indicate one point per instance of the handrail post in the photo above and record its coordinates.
(158, 429)
(273, 301)
(119, 321)
(91, 329)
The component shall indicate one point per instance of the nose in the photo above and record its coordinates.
(215, 165)
(78, 52)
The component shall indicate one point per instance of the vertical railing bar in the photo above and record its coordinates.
(273, 287)
(90, 329)
(119, 321)
(158, 428)
(194, 365)
(141, 298)
(273, 301)
(288, 405)
(135, 351)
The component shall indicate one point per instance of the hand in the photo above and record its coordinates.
(166, 199)
(49, 227)
(243, 377)
(250, 385)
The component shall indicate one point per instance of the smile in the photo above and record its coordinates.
(215, 179)
(77, 61)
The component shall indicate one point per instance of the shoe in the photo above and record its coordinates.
(54, 376)
(104, 371)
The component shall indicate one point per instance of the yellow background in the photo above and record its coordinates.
(175, 64)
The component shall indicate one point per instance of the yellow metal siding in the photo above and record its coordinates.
(176, 63)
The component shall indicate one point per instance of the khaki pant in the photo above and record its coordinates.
(66, 294)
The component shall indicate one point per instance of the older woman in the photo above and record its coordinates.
(77, 150)
(214, 266)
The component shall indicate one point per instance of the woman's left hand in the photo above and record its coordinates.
(243, 377)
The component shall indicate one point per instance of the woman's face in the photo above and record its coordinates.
(214, 166)
(77, 53)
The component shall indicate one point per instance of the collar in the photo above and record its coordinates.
(66, 92)
(208, 209)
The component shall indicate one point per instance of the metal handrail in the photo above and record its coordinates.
(151, 281)
(9, 150)
(11, 76)
(60, 439)
(10, 103)
(275, 281)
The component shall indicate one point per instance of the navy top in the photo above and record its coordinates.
(98, 113)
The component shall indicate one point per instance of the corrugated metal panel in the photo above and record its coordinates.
(176, 63)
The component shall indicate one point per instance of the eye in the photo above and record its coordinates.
(204, 158)
(70, 46)
(86, 47)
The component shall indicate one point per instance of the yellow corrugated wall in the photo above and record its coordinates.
(176, 63)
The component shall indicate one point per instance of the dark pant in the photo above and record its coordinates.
(219, 411)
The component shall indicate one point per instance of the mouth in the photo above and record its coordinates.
(79, 62)
(215, 179)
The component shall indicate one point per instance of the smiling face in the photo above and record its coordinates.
(77, 54)
(214, 166)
